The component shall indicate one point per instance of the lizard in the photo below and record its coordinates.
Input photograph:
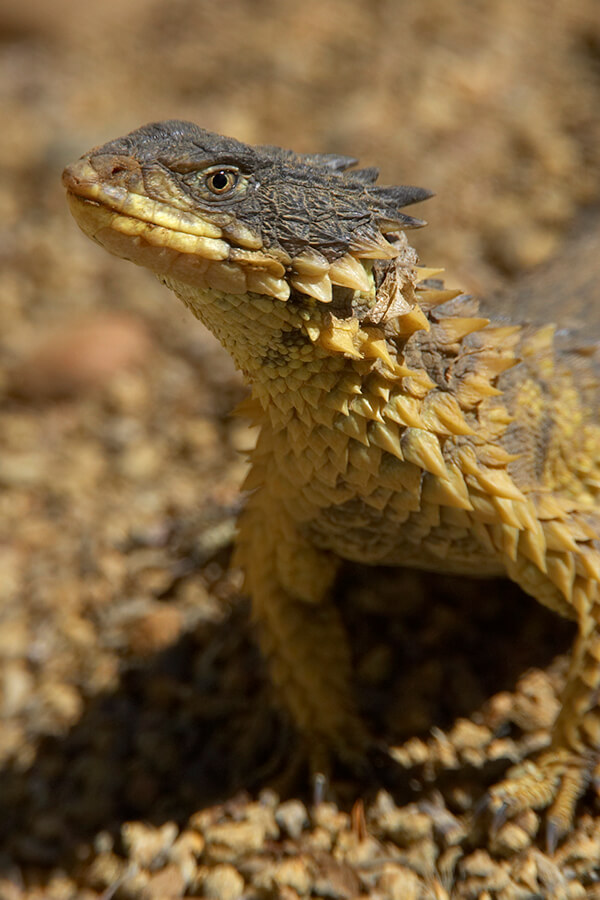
(400, 422)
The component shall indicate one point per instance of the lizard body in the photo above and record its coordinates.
(400, 423)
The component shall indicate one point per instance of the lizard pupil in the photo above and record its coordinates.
(221, 181)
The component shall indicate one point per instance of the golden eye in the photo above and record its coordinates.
(221, 181)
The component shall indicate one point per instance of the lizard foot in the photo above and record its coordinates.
(556, 779)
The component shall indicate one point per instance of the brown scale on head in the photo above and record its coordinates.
(213, 212)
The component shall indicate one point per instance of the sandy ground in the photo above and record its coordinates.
(139, 753)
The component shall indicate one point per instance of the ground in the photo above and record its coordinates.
(139, 754)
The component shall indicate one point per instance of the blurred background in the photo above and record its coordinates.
(117, 457)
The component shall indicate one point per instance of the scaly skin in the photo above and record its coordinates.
(398, 425)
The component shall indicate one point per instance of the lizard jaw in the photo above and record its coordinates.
(109, 200)
(163, 237)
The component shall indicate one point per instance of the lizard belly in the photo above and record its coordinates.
(358, 532)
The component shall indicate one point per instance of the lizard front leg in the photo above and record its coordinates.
(300, 630)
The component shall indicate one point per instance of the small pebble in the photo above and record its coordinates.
(168, 884)
(81, 356)
(223, 882)
(148, 846)
(292, 818)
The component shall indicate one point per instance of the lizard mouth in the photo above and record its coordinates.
(109, 200)
(164, 238)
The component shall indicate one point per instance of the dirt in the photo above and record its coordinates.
(141, 755)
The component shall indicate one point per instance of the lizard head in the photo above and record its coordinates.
(214, 213)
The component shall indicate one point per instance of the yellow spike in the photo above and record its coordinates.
(310, 263)
(317, 286)
(527, 517)
(458, 485)
(499, 483)
(377, 349)
(506, 539)
(483, 507)
(492, 366)
(263, 283)
(423, 273)
(499, 335)
(582, 530)
(506, 510)
(429, 298)
(365, 406)
(532, 544)
(559, 537)
(313, 331)
(591, 561)
(355, 427)
(445, 407)
(423, 449)
(494, 455)
(475, 388)
(349, 272)
(340, 342)
(379, 389)
(419, 383)
(338, 402)
(340, 336)
(561, 571)
(443, 491)
(404, 411)
(373, 247)
(467, 460)
(337, 449)
(455, 328)
(499, 416)
(547, 506)
(351, 383)
(257, 260)
(387, 438)
(412, 321)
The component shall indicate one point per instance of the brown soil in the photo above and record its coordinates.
(139, 753)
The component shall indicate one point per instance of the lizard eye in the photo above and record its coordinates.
(221, 181)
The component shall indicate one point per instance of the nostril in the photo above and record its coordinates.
(117, 169)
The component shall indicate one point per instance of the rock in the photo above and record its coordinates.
(223, 882)
(81, 356)
(148, 846)
(156, 629)
(168, 884)
(292, 818)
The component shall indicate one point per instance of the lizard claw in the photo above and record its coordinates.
(556, 780)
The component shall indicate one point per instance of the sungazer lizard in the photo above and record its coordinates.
(401, 423)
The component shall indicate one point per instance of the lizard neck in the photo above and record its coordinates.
(293, 354)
